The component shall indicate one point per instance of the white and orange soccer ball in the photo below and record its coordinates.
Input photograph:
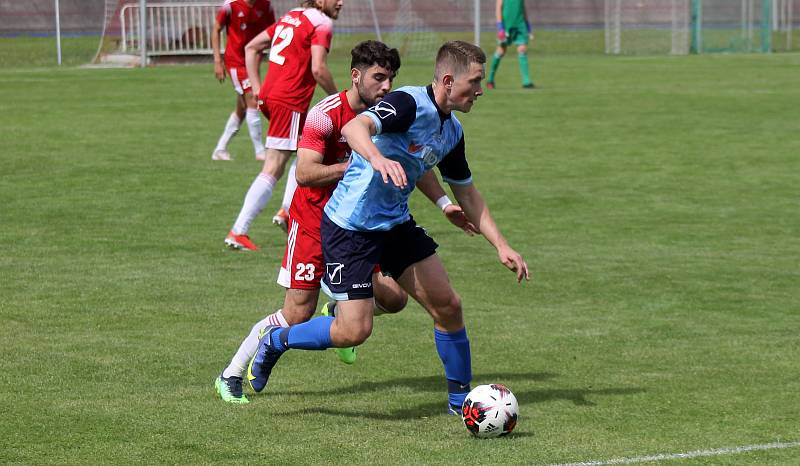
(490, 411)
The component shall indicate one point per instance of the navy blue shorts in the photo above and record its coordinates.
(351, 256)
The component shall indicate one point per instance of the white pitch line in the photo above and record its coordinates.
(691, 454)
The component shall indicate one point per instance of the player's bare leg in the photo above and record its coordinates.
(353, 323)
(275, 164)
(231, 128)
(256, 198)
(390, 298)
(389, 295)
(427, 282)
(299, 305)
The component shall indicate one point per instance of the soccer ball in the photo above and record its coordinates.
(490, 411)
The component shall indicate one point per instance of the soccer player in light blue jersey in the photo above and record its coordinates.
(367, 221)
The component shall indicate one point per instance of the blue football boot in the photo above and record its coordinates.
(264, 360)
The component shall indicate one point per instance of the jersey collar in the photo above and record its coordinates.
(442, 116)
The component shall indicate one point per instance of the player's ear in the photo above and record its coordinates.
(448, 80)
(355, 75)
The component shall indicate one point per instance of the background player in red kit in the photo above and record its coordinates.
(322, 158)
(242, 20)
(299, 43)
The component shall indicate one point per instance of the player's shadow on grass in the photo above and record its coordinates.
(578, 396)
(433, 383)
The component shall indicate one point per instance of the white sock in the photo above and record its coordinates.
(254, 126)
(248, 347)
(231, 128)
(257, 197)
(291, 186)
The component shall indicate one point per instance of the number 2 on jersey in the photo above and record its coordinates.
(283, 37)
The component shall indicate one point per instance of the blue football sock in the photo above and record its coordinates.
(312, 335)
(454, 352)
(278, 339)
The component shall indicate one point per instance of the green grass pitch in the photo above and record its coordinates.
(655, 199)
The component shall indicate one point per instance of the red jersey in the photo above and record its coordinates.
(242, 22)
(289, 79)
(322, 133)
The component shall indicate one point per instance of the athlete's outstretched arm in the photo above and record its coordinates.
(219, 68)
(319, 68)
(429, 185)
(476, 209)
(252, 59)
(312, 172)
(359, 132)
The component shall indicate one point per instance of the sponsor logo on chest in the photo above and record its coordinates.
(425, 153)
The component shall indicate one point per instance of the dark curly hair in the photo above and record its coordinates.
(372, 52)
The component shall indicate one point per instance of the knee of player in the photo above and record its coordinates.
(250, 101)
(452, 305)
(275, 164)
(298, 315)
(500, 51)
(273, 169)
(358, 334)
(522, 50)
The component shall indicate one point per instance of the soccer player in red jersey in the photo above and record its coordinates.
(322, 158)
(299, 43)
(242, 20)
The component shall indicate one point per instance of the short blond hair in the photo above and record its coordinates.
(456, 56)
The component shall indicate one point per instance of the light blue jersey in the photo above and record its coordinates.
(414, 132)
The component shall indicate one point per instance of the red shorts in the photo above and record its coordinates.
(239, 79)
(285, 125)
(303, 263)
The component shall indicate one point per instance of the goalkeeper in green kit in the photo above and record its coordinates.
(513, 27)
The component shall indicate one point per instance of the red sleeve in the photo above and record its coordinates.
(318, 128)
(323, 34)
(271, 30)
(224, 14)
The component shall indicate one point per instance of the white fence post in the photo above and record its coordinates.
(143, 32)
(58, 33)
